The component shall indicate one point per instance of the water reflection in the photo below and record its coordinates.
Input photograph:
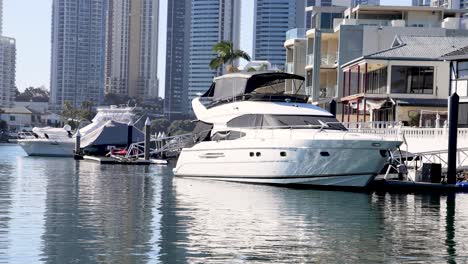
(98, 213)
(62, 211)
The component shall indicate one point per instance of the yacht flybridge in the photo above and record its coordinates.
(259, 128)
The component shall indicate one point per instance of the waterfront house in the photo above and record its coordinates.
(17, 118)
(400, 83)
(339, 35)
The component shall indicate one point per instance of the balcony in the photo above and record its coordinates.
(329, 59)
(367, 22)
(296, 33)
(289, 67)
(328, 91)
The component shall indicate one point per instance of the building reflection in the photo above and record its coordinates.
(7, 172)
(98, 213)
(173, 225)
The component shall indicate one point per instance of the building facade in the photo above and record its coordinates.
(7, 71)
(271, 19)
(78, 52)
(367, 29)
(132, 48)
(178, 43)
(211, 21)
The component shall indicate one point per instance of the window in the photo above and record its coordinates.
(285, 121)
(462, 70)
(412, 80)
(12, 118)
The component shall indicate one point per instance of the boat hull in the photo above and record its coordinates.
(47, 148)
(314, 162)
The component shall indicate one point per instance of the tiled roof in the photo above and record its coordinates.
(16, 110)
(427, 48)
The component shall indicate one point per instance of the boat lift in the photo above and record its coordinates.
(413, 162)
(160, 145)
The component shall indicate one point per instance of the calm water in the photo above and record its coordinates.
(56, 210)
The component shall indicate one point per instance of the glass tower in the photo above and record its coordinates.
(78, 51)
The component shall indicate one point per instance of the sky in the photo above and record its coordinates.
(29, 22)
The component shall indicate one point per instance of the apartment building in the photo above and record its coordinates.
(210, 22)
(132, 48)
(78, 52)
(178, 41)
(7, 71)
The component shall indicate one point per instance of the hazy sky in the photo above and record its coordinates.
(29, 22)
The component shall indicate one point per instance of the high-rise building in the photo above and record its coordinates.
(7, 66)
(132, 48)
(78, 51)
(1, 17)
(177, 57)
(7, 71)
(272, 18)
(211, 21)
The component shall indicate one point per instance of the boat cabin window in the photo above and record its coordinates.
(285, 121)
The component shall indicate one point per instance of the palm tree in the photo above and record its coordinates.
(227, 55)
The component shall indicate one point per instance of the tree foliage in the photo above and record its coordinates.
(32, 94)
(73, 115)
(160, 125)
(227, 55)
(116, 99)
(3, 125)
(179, 127)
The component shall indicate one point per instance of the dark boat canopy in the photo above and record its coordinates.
(236, 84)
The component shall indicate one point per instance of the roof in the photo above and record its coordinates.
(433, 48)
(421, 47)
(235, 84)
(398, 9)
(17, 110)
(422, 102)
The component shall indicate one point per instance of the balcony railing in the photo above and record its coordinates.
(369, 22)
(328, 91)
(289, 67)
(296, 33)
(326, 59)
(329, 59)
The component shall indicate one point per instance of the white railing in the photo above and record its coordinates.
(329, 59)
(328, 91)
(414, 163)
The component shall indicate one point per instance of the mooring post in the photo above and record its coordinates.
(452, 139)
(333, 107)
(129, 134)
(147, 138)
(77, 142)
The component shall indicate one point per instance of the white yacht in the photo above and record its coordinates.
(59, 142)
(259, 129)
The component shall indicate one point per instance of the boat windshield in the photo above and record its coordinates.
(263, 121)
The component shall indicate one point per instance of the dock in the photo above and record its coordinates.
(110, 160)
(417, 187)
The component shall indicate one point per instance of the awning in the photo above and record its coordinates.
(370, 104)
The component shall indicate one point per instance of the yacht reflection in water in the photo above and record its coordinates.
(99, 214)
(235, 222)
